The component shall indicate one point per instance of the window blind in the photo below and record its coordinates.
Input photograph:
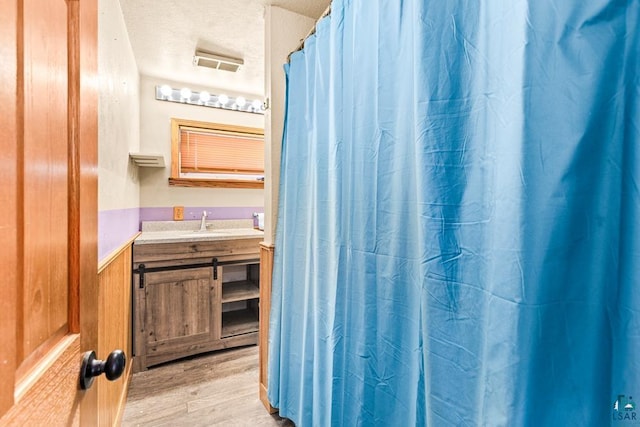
(220, 152)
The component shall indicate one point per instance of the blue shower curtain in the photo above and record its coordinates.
(458, 241)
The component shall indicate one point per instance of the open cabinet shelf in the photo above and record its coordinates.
(240, 298)
(240, 291)
(239, 322)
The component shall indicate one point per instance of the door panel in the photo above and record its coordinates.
(49, 199)
(8, 201)
(45, 179)
(41, 397)
(179, 309)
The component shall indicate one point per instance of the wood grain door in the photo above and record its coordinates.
(179, 314)
(48, 232)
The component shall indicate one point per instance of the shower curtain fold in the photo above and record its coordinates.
(457, 241)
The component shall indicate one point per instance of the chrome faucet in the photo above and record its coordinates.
(203, 221)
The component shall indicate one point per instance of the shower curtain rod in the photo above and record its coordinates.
(311, 32)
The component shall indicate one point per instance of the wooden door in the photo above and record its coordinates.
(48, 232)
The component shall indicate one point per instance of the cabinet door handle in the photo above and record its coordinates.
(141, 269)
(215, 269)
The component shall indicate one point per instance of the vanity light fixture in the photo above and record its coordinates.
(185, 93)
(205, 96)
(206, 99)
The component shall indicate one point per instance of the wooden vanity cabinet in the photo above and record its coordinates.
(185, 306)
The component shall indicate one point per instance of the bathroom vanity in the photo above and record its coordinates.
(194, 291)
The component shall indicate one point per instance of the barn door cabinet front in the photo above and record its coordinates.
(193, 298)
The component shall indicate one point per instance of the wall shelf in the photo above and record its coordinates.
(148, 160)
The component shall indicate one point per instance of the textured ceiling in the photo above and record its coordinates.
(310, 8)
(164, 35)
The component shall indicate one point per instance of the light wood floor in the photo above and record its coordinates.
(217, 389)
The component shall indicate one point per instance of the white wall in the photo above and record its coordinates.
(284, 31)
(118, 111)
(155, 138)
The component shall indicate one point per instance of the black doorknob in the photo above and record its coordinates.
(112, 368)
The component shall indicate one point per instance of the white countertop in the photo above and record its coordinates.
(187, 231)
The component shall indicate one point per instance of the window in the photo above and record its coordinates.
(214, 155)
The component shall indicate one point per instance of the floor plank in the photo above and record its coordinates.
(216, 389)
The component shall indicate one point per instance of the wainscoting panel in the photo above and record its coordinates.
(114, 331)
(266, 270)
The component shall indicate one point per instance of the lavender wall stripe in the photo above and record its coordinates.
(156, 214)
(195, 212)
(116, 227)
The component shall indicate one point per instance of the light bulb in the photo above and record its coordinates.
(185, 93)
(165, 90)
(205, 96)
(223, 99)
(241, 101)
(256, 104)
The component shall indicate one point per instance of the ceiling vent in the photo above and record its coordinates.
(217, 62)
